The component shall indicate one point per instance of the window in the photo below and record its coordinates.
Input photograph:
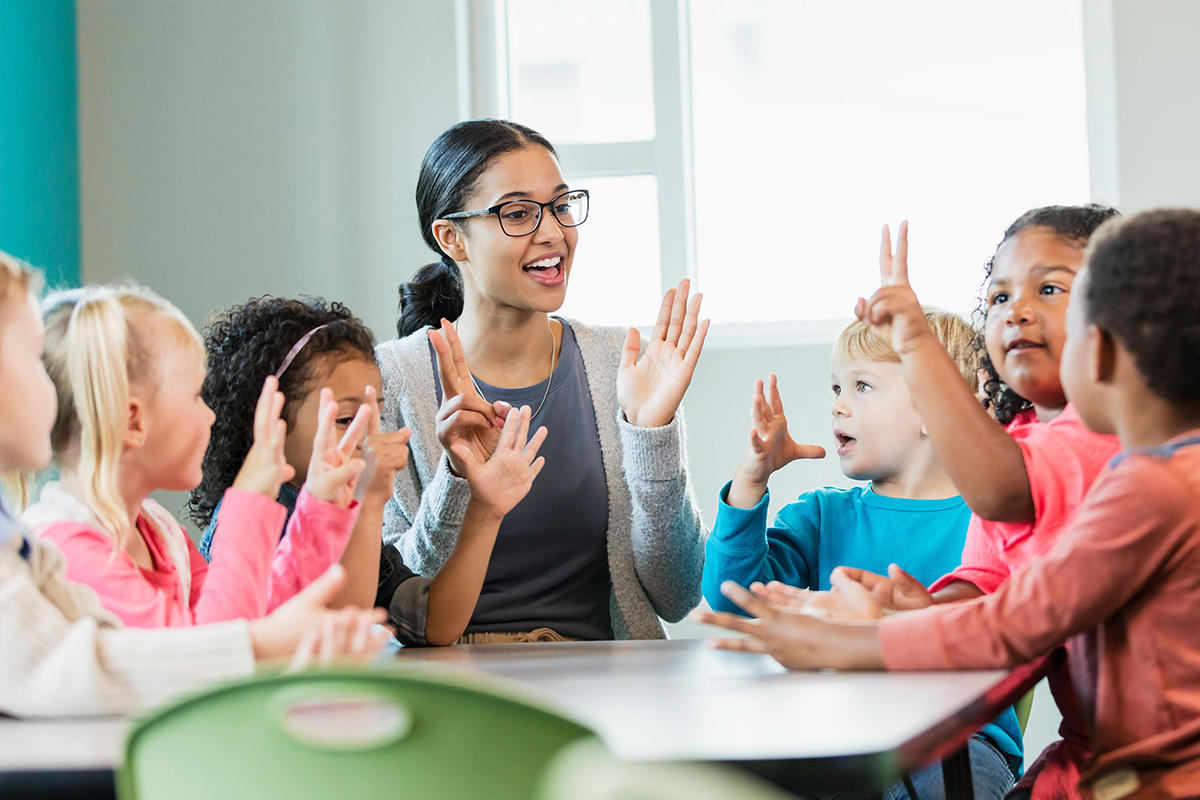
(765, 141)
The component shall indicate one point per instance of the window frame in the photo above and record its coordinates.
(485, 90)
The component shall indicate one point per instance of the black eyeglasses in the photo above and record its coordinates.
(522, 217)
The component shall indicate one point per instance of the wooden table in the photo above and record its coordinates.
(664, 701)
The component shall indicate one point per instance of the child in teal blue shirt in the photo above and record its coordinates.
(910, 514)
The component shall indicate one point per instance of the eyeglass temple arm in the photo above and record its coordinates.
(464, 214)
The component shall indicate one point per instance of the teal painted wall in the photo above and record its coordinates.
(39, 137)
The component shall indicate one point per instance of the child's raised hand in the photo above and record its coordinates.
(503, 480)
(334, 469)
(465, 418)
(266, 468)
(386, 453)
(771, 447)
(894, 313)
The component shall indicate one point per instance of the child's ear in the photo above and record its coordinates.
(1102, 355)
(134, 436)
(450, 238)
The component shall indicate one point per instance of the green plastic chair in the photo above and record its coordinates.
(1023, 707)
(586, 771)
(379, 733)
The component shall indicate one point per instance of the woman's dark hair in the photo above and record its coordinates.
(449, 171)
(1143, 289)
(245, 344)
(1076, 224)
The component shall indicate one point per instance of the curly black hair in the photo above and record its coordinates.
(1144, 290)
(1076, 224)
(245, 344)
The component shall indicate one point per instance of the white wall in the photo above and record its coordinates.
(231, 149)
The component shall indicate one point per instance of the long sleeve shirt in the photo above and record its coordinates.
(252, 571)
(1122, 585)
(831, 527)
(63, 654)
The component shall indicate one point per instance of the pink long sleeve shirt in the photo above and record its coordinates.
(1063, 459)
(1121, 585)
(252, 569)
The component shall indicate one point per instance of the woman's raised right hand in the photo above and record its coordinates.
(465, 419)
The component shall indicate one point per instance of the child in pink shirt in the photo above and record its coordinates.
(1119, 586)
(128, 367)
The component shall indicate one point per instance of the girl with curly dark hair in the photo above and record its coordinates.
(319, 350)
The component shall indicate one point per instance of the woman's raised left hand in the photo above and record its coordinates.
(650, 388)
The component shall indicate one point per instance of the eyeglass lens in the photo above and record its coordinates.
(522, 216)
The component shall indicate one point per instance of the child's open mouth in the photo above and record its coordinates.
(845, 443)
(548, 271)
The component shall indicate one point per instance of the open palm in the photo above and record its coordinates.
(506, 476)
(465, 419)
(651, 387)
(771, 446)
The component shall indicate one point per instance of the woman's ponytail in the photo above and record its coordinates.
(449, 171)
(436, 291)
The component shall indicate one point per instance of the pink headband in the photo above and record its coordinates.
(295, 351)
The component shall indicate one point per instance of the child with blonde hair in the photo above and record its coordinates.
(128, 369)
(62, 653)
(909, 513)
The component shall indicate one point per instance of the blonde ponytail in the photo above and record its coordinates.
(96, 348)
(100, 340)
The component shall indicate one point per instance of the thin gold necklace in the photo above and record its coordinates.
(549, 380)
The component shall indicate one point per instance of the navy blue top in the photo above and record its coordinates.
(549, 568)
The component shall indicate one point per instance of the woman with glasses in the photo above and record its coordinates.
(609, 538)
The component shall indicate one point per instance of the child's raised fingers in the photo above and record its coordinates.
(900, 260)
(347, 472)
(885, 256)
(262, 408)
(374, 423)
(773, 394)
(356, 431)
(326, 436)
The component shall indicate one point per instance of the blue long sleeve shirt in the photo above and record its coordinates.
(831, 527)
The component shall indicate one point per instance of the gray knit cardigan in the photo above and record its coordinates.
(655, 536)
